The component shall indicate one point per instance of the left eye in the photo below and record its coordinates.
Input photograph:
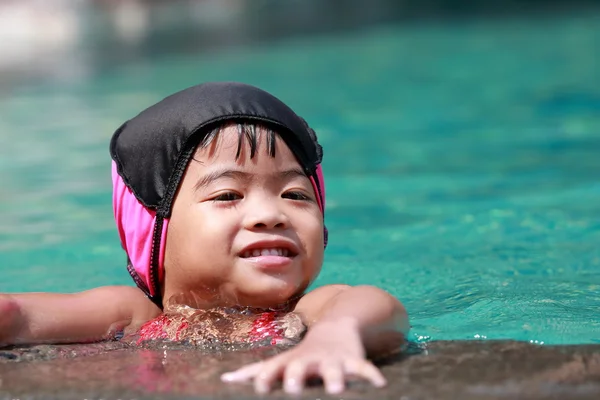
(229, 196)
(295, 196)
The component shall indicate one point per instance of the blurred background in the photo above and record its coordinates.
(68, 39)
(461, 142)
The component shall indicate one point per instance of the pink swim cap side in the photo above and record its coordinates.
(136, 224)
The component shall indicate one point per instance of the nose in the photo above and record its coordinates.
(265, 214)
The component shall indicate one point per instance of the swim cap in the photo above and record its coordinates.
(151, 152)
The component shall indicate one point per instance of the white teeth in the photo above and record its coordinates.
(266, 252)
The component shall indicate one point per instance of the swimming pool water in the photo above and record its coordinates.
(461, 159)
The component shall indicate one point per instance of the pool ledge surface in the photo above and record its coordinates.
(440, 370)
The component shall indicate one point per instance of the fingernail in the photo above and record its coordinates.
(381, 383)
(228, 377)
(232, 377)
(335, 388)
(292, 386)
(262, 388)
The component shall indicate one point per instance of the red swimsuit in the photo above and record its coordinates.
(263, 327)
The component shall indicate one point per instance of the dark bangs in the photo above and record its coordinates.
(247, 132)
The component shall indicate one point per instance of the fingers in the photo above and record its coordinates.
(294, 377)
(333, 377)
(264, 374)
(365, 370)
(243, 374)
(269, 373)
(294, 374)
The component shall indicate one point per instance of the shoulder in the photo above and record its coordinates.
(312, 303)
(326, 292)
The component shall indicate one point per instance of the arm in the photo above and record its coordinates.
(79, 317)
(378, 317)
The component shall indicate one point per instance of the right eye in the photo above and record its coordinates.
(229, 196)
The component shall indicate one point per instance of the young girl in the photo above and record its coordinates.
(219, 201)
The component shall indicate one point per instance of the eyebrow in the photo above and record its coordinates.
(236, 174)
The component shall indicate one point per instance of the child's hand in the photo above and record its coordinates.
(9, 316)
(331, 351)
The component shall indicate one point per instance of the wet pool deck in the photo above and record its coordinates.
(442, 370)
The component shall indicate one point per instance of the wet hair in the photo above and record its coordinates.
(247, 132)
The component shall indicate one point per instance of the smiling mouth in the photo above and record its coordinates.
(276, 252)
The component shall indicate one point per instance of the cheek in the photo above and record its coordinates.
(316, 255)
(196, 250)
(315, 226)
(183, 236)
(216, 229)
(314, 238)
(196, 232)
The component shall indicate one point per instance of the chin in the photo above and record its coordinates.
(271, 295)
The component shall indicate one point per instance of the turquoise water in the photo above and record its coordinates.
(461, 161)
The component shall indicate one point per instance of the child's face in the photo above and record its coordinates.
(246, 231)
